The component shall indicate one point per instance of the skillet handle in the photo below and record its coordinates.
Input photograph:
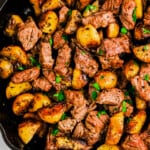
(2, 4)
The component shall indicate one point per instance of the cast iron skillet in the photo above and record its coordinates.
(8, 121)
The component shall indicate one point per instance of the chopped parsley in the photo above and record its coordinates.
(90, 7)
(64, 116)
(96, 86)
(146, 31)
(129, 101)
(146, 77)
(69, 13)
(51, 41)
(60, 96)
(55, 132)
(128, 119)
(124, 107)
(100, 52)
(94, 95)
(124, 30)
(34, 62)
(145, 47)
(83, 52)
(21, 68)
(134, 15)
(65, 37)
(102, 112)
(131, 90)
(126, 93)
(58, 79)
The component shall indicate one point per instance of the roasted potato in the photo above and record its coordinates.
(140, 103)
(27, 129)
(106, 79)
(88, 36)
(40, 100)
(52, 114)
(139, 8)
(115, 129)
(51, 5)
(79, 79)
(14, 53)
(6, 68)
(131, 69)
(108, 147)
(22, 103)
(11, 27)
(48, 22)
(112, 30)
(142, 52)
(36, 7)
(14, 89)
(136, 123)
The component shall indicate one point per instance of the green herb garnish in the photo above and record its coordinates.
(124, 107)
(55, 132)
(126, 93)
(21, 68)
(94, 95)
(146, 31)
(65, 37)
(146, 77)
(134, 15)
(90, 7)
(129, 101)
(58, 79)
(96, 86)
(34, 62)
(64, 116)
(60, 96)
(102, 112)
(128, 120)
(145, 47)
(100, 52)
(69, 13)
(51, 41)
(124, 30)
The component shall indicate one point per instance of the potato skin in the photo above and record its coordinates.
(21, 103)
(131, 69)
(48, 22)
(108, 147)
(106, 79)
(139, 8)
(27, 129)
(52, 114)
(6, 68)
(88, 36)
(142, 52)
(14, 53)
(136, 123)
(115, 129)
(112, 30)
(40, 100)
(14, 89)
(140, 103)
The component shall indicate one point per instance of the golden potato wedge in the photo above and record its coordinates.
(115, 129)
(40, 100)
(14, 89)
(108, 147)
(106, 79)
(136, 123)
(78, 81)
(21, 103)
(112, 30)
(15, 53)
(51, 5)
(52, 114)
(36, 7)
(140, 103)
(70, 2)
(27, 130)
(142, 52)
(131, 69)
(139, 8)
(6, 68)
(11, 27)
(48, 22)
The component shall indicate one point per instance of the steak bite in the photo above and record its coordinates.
(28, 34)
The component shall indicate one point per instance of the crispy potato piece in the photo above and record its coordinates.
(27, 129)
(140, 103)
(115, 129)
(136, 123)
(21, 103)
(108, 147)
(14, 89)
(88, 36)
(70, 2)
(78, 80)
(11, 27)
(51, 5)
(112, 30)
(131, 69)
(139, 8)
(52, 114)
(6, 68)
(48, 22)
(142, 52)
(106, 79)
(36, 7)
(40, 100)
(15, 53)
